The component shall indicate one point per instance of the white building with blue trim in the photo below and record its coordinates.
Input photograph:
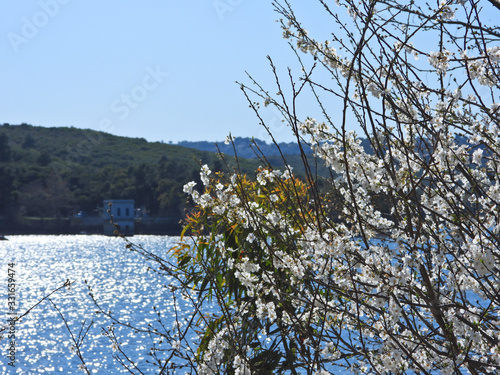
(118, 216)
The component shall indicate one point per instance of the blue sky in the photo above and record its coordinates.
(161, 70)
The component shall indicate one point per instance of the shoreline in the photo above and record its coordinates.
(168, 226)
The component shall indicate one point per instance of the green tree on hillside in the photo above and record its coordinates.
(29, 141)
(4, 148)
(7, 192)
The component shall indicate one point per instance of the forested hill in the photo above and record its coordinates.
(57, 172)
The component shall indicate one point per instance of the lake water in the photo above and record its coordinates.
(121, 281)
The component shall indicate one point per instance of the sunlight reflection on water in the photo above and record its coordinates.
(120, 281)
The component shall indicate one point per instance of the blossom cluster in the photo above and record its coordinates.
(484, 69)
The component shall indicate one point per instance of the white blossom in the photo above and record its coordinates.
(204, 173)
(440, 60)
(188, 188)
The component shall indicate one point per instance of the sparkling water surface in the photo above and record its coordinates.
(121, 281)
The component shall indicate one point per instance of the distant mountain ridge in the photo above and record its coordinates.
(245, 147)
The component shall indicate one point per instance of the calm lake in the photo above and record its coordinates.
(121, 282)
